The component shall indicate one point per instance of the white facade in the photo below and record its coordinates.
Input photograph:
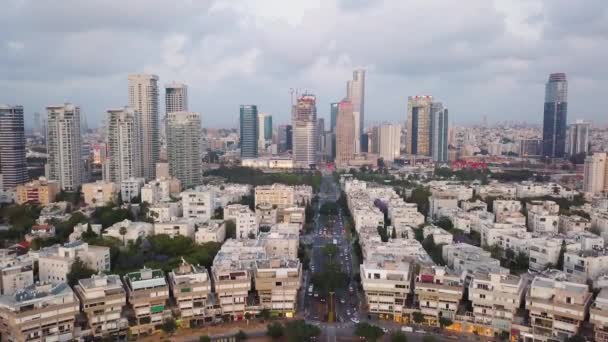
(596, 174)
(503, 209)
(160, 190)
(165, 211)
(175, 228)
(389, 141)
(437, 203)
(54, 262)
(131, 188)
(134, 230)
(15, 273)
(143, 98)
(64, 146)
(211, 231)
(183, 147)
(124, 145)
(440, 235)
(198, 204)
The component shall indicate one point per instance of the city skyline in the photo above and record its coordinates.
(515, 48)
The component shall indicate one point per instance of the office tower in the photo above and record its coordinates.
(555, 116)
(320, 135)
(418, 125)
(345, 133)
(249, 131)
(364, 143)
(439, 132)
(13, 168)
(63, 146)
(578, 138)
(595, 179)
(143, 98)
(123, 145)
(176, 97)
(285, 138)
(183, 147)
(330, 146)
(333, 116)
(389, 141)
(355, 92)
(305, 131)
(264, 130)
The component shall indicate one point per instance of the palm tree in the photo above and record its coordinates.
(123, 231)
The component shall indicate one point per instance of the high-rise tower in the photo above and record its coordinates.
(123, 144)
(418, 124)
(12, 146)
(578, 138)
(183, 147)
(64, 146)
(249, 131)
(555, 116)
(345, 133)
(355, 92)
(176, 97)
(439, 132)
(305, 131)
(143, 98)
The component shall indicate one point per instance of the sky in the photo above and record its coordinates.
(478, 57)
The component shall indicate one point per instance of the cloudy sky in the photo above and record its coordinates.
(479, 57)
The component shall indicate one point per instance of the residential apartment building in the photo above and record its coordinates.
(16, 273)
(100, 193)
(41, 191)
(438, 293)
(102, 299)
(191, 288)
(277, 281)
(598, 316)
(175, 227)
(130, 188)
(183, 147)
(211, 231)
(543, 216)
(165, 211)
(143, 98)
(147, 294)
(44, 312)
(503, 208)
(160, 190)
(55, 262)
(124, 145)
(132, 230)
(64, 146)
(198, 204)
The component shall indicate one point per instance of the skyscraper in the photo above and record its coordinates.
(249, 131)
(333, 116)
(63, 146)
(345, 134)
(320, 135)
(595, 179)
(578, 138)
(555, 116)
(123, 144)
(183, 147)
(305, 131)
(143, 98)
(389, 141)
(285, 138)
(12, 146)
(439, 132)
(264, 130)
(418, 124)
(355, 92)
(176, 97)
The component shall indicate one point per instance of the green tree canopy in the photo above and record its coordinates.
(275, 330)
(368, 331)
(79, 270)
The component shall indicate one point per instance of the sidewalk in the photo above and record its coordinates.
(225, 329)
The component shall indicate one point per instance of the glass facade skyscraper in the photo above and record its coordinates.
(439, 132)
(12, 146)
(333, 116)
(555, 116)
(249, 131)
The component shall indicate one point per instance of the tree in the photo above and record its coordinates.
(368, 331)
(230, 229)
(420, 196)
(576, 338)
(204, 338)
(299, 330)
(330, 250)
(418, 317)
(445, 322)
(394, 233)
(560, 259)
(274, 330)
(398, 336)
(123, 231)
(429, 339)
(169, 326)
(78, 270)
(445, 223)
(265, 313)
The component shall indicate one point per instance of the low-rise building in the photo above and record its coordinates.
(464, 257)
(573, 223)
(266, 214)
(147, 294)
(277, 281)
(557, 307)
(41, 191)
(16, 272)
(386, 282)
(55, 262)
(175, 227)
(543, 216)
(440, 235)
(279, 195)
(82, 228)
(210, 231)
(41, 231)
(586, 265)
(129, 231)
(232, 273)
(438, 293)
(130, 188)
(100, 193)
(160, 190)
(440, 201)
(246, 224)
(191, 288)
(43, 312)
(198, 204)
(503, 208)
(598, 316)
(165, 211)
(102, 300)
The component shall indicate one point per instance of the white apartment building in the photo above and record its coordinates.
(503, 208)
(210, 231)
(474, 206)
(440, 235)
(160, 190)
(599, 220)
(280, 245)
(279, 195)
(496, 298)
(386, 282)
(143, 98)
(130, 188)
(54, 262)
(438, 292)
(598, 316)
(557, 308)
(100, 193)
(16, 272)
(165, 211)
(232, 273)
(191, 288)
(198, 204)
(183, 147)
(586, 265)
(490, 233)
(439, 202)
(543, 216)
(124, 142)
(147, 294)
(464, 257)
(176, 227)
(458, 191)
(82, 228)
(64, 146)
(573, 223)
(266, 214)
(277, 281)
(133, 231)
(497, 190)
(246, 224)
(544, 253)
(368, 216)
(231, 211)
(102, 300)
(43, 312)
(595, 179)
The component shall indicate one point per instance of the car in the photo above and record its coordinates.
(316, 294)
(407, 329)
(355, 320)
(348, 312)
(342, 300)
(385, 330)
(420, 332)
